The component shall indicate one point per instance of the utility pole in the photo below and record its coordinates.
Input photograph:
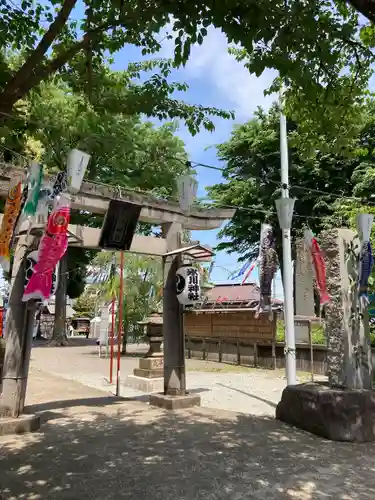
(290, 346)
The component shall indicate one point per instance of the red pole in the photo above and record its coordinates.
(119, 327)
(112, 340)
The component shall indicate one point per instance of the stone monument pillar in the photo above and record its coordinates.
(347, 328)
(304, 290)
(344, 409)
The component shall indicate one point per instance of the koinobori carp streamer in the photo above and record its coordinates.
(35, 179)
(11, 212)
(366, 264)
(52, 247)
(319, 266)
(268, 265)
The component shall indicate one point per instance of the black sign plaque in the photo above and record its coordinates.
(119, 225)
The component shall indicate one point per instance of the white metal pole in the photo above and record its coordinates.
(290, 346)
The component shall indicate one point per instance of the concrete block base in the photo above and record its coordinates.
(175, 402)
(145, 384)
(336, 414)
(20, 425)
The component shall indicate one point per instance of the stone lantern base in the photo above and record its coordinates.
(148, 377)
(150, 367)
(336, 414)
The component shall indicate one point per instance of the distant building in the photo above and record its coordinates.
(236, 296)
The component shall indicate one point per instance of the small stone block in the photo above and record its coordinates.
(20, 425)
(335, 414)
(145, 384)
(151, 363)
(175, 402)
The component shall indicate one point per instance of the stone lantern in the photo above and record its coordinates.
(148, 377)
(154, 333)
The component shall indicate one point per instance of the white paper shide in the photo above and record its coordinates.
(76, 168)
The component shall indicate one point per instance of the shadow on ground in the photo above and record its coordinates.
(258, 398)
(109, 448)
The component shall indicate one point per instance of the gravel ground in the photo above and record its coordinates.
(239, 389)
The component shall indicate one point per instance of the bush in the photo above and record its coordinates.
(318, 336)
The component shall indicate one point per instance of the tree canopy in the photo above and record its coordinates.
(85, 306)
(321, 49)
(321, 185)
(125, 150)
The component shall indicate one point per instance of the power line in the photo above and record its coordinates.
(193, 163)
(170, 198)
(249, 209)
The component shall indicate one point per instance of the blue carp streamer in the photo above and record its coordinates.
(367, 261)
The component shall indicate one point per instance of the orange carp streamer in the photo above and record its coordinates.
(12, 209)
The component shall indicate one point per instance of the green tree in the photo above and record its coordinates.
(252, 181)
(78, 260)
(142, 289)
(85, 305)
(321, 49)
(58, 114)
(50, 41)
(126, 151)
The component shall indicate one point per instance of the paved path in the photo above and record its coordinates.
(92, 446)
(253, 391)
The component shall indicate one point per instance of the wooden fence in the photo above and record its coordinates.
(240, 324)
(229, 335)
(238, 351)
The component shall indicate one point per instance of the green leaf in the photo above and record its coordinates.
(323, 183)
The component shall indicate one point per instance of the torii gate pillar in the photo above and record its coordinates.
(20, 322)
(175, 395)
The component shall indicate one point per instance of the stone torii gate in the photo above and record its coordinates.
(95, 198)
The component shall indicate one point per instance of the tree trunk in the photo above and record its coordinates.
(18, 342)
(365, 7)
(59, 336)
(37, 69)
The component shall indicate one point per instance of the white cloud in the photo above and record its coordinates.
(211, 62)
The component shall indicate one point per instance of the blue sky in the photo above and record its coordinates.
(215, 79)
